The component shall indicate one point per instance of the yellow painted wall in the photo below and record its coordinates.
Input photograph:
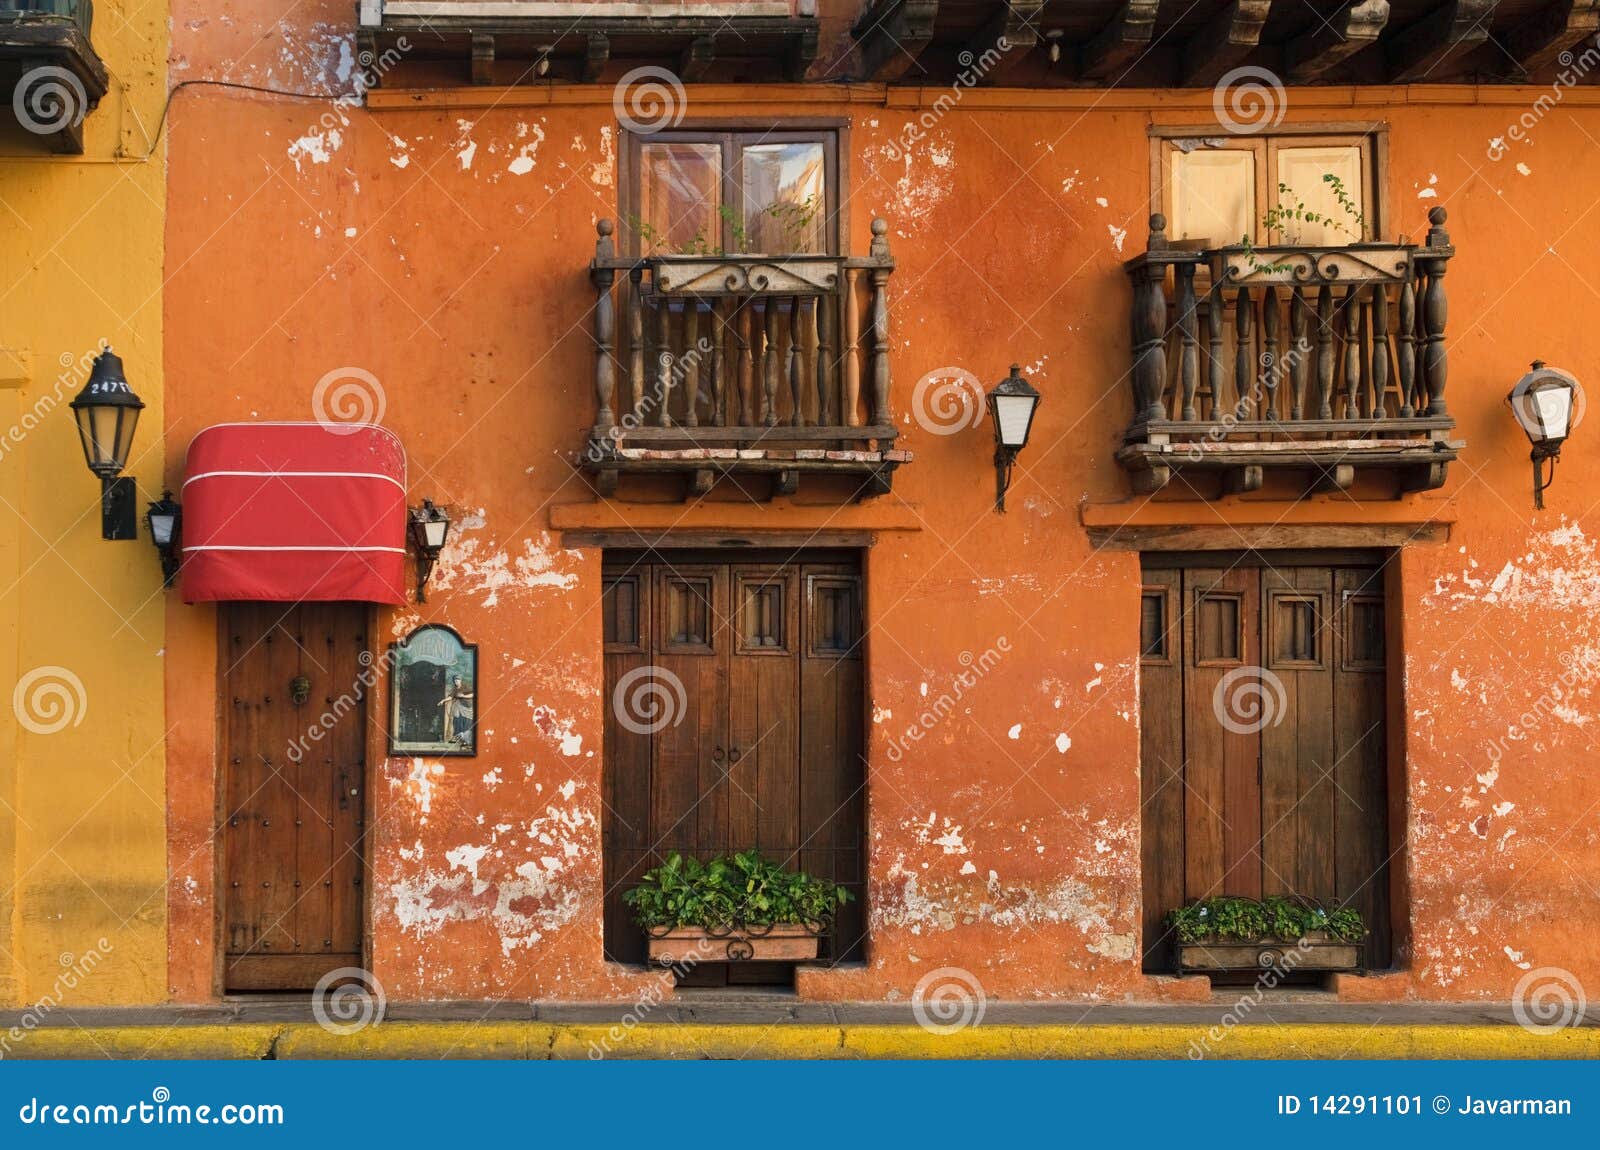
(82, 807)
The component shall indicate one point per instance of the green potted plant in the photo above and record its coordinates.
(735, 908)
(1232, 933)
(1284, 259)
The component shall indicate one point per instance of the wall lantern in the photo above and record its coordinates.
(165, 520)
(429, 527)
(1543, 403)
(1012, 404)
(107, 411)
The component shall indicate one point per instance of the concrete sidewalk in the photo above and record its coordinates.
(759, 1027)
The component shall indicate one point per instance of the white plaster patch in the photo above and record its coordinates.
(317, 145)
(482, 569)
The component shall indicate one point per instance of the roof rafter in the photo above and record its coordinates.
(1443, 35)
(1354, 27)
(1228, 38)
(1121, 41)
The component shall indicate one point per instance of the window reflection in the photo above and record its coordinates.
(785, 198)
(680, 193)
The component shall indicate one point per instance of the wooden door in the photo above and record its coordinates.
(1263, 761)
(733, 720)
(291, 823)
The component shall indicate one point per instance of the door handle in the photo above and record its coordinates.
(735, 755)
(716, 754)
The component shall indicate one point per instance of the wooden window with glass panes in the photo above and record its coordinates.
(732, 193)
(1217, 190)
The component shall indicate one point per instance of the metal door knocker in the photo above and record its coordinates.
(299, 689)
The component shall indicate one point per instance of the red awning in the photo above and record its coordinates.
(294, 511)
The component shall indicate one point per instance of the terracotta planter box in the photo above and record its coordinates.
(1315, 952)
(692, 944)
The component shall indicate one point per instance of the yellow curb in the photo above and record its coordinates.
(662, 1040)
(419, 1040)
(1262, 1041)
(695, 1040)
(211, 1042)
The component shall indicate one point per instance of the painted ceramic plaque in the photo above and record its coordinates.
(433, 694)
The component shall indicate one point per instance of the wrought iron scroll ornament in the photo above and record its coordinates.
(1317, 265)
(738, 929)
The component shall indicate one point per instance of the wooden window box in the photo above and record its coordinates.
(1315, 952)
(690, 945)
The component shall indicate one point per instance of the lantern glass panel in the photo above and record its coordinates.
(107, 433)
(161, 527)
(1554, 408)
(433, 532)
(1013, 414)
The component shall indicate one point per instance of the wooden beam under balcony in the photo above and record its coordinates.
(1355, 26)
(892, 34)
(1538, 42)
(1120, 42)
(1222, 43)
(1429, 48)
(1006, 41)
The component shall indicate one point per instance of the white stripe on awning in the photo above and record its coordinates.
(299, 474)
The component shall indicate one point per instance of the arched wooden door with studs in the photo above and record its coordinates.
(1263, 735)
(293, 789)
(734, 719)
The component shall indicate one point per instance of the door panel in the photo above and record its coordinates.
(688, 809)
(1360, 746)
(292, 823)
(1222, 810)
(768, 749)
(1161, 664)
(1262, 740)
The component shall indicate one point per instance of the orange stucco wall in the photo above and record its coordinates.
(444, 250)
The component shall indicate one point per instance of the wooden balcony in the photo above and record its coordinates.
(1317, 362)
(50, 73)
(743, 366)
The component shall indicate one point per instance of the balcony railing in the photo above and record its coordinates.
(743, 363)
(1319, 360)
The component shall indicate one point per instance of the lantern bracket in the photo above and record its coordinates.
(119, 512)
